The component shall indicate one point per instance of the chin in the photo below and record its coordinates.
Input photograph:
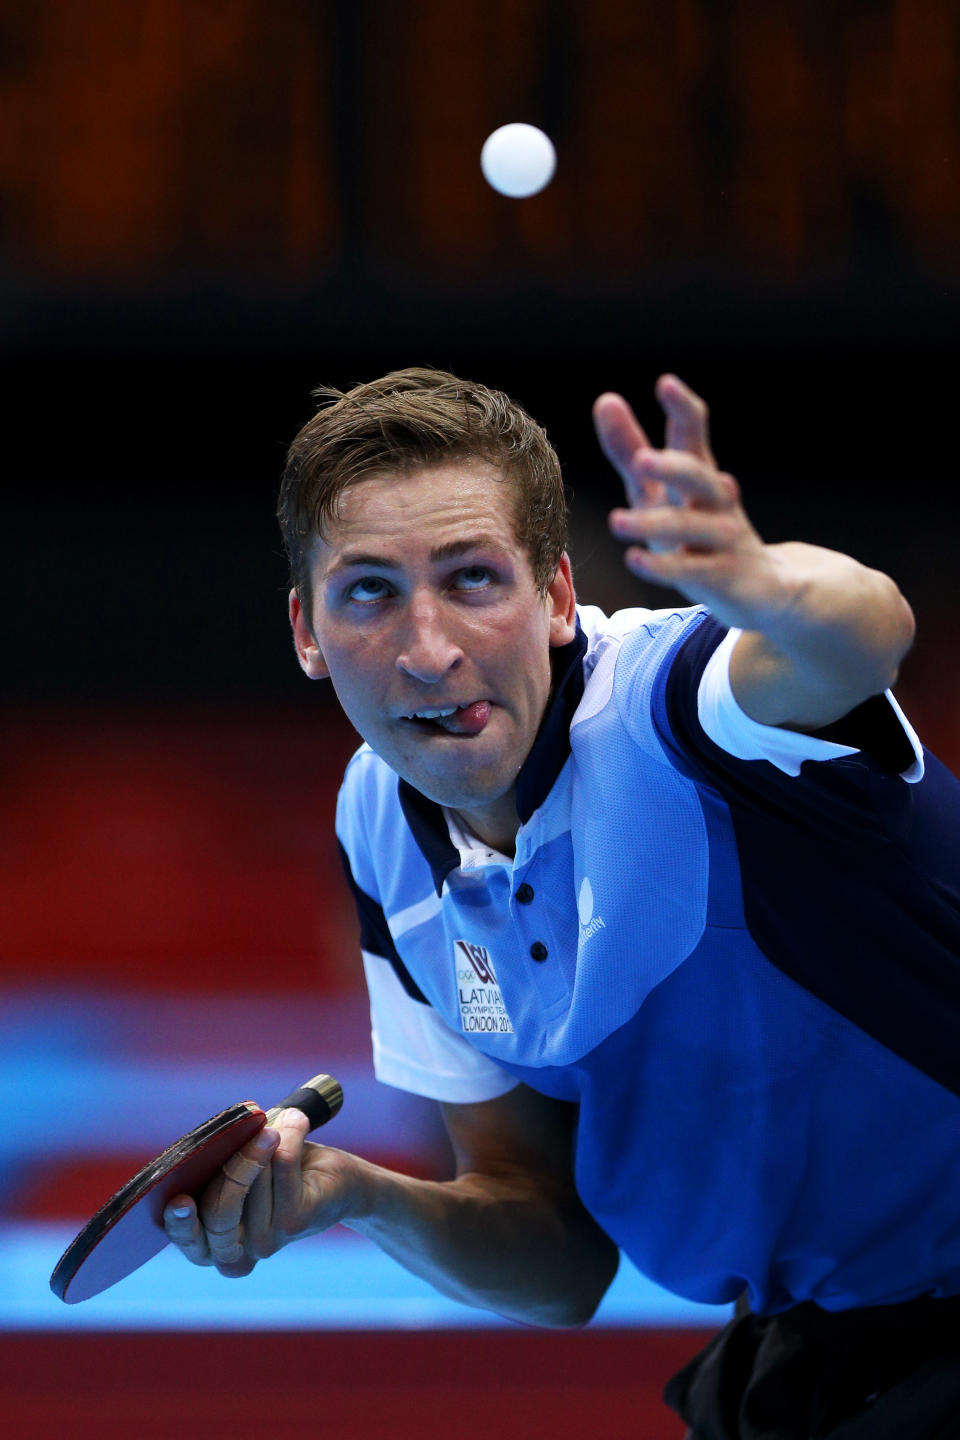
(456, 795)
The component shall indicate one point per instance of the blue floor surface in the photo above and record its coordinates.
(335, 1281)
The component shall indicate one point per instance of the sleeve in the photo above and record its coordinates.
(413, 1046)
(415, 1049)
(848, 877)
(733, 731)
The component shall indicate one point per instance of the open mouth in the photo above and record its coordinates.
(452, 719)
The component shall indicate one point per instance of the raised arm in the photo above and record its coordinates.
(821, 632)
(507, 1234)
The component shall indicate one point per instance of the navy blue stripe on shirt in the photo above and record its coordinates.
(375, 935)
(851, 877)
(431, 832)
(550, 749)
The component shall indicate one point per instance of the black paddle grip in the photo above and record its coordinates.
(319, 1099)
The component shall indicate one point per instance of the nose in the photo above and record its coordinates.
(428, 651)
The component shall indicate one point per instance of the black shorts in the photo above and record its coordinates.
(890, 1372)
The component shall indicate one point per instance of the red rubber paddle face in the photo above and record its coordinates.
(128, 1230)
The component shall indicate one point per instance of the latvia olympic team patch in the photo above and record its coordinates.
(482, 1011)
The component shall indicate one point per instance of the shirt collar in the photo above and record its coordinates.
(547, 757)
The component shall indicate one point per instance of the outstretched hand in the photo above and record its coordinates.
(821, 631)
(686, 526)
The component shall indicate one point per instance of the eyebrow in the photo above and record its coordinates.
(354, 559)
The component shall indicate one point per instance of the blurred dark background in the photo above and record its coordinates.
(208, 209)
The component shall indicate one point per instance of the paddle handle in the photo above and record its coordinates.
(319, 1099)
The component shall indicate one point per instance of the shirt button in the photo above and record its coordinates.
(524, 893)
(538, 951)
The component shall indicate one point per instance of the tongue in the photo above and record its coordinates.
(469, 720)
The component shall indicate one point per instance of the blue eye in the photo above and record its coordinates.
(474, 577)
(370, 588)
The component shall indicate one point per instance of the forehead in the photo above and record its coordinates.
(423, 505)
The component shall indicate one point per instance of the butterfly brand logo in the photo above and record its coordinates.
(589, 923)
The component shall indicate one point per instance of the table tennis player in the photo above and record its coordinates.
(663, 909)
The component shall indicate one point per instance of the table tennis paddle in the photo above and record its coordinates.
(128, 1230)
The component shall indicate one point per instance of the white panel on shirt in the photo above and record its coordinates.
(415, 1049)
(734, 731)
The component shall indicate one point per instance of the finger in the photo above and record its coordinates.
(288, 1168)
(274, 1205)
(660, 568)
(694, 573)
(621, 437)
(222, 1203)
(688, 418)
(685, 478)
(667, 528)
(704, 577)
(258, 1217)
(183, 1227)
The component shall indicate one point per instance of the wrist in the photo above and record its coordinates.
(335, 1188)
(355, 1183)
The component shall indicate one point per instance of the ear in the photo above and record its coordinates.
(308, 651)
(562, 603)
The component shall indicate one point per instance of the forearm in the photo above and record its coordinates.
(832, 633)
(509, 1234)
(530, 1253)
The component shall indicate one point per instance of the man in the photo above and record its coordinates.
(663, 910)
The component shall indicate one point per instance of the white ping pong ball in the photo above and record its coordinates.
(518, 160)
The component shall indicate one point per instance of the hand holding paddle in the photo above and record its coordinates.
(275, 1190)
(128, 1230)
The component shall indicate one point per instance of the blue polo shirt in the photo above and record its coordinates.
(735, 948)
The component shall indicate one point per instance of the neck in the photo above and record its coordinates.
(495, 824)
